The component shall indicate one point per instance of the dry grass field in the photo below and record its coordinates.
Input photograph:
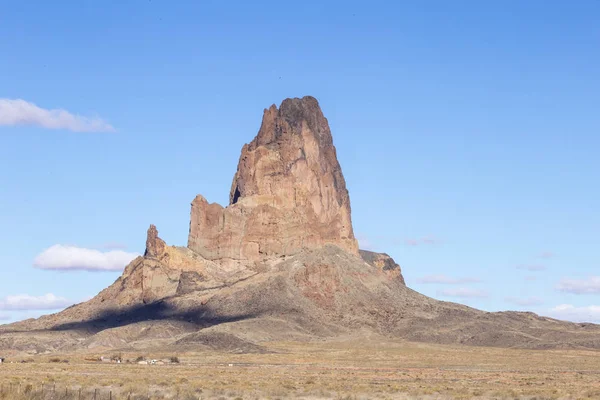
(367, 369)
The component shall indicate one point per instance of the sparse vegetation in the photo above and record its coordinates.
(336, 370)
(174, 360)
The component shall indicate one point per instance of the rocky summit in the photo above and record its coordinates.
(288, 194)
(279, 262)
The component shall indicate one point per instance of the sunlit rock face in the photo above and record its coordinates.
(288, 193)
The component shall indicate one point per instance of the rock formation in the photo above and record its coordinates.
(280, 263)
(155, 246)
(384, 262)
(288, 194)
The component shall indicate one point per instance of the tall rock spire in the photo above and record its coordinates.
(288, 192)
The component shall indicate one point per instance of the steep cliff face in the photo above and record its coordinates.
(288, 193)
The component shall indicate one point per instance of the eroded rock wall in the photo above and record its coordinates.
(288, 193)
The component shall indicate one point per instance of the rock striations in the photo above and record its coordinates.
(288, 194)
(280, 262)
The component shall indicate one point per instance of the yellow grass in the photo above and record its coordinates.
(340, 370)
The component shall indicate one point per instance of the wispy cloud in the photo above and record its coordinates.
(4, 317)
(547, 254)
(534, 267)
(427, 240)
(463, 293)
(531, 278)
(15, 112)
(65, 258)
(430, 240)
(570, 312)
(590, 285)
(23, 302)
(447, 280)
(528, 301)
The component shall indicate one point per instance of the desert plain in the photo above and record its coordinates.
(366, 368)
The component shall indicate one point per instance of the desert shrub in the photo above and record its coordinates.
(55, 360)
(174, 360)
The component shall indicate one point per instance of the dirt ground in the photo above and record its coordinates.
(366, 369)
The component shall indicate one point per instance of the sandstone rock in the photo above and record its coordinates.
(384, 262)
(155, 246)
(288, 193)
(165, 271)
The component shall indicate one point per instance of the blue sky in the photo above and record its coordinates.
(468, 133)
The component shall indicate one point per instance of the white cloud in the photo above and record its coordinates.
(535, 267)
(23, 302)
(20, 112)
(463, 292)
(576, 314)
(59, 257)
(590, 285)
(443, 279)
(528, 301)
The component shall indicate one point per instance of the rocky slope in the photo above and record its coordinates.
(280, 262)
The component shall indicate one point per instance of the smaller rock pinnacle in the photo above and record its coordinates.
(155, 246)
